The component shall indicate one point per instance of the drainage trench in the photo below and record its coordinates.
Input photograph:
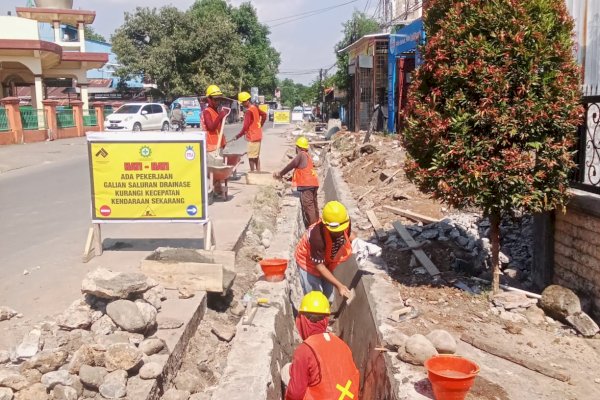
(259, 351)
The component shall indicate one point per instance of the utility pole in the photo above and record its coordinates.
(322, 92)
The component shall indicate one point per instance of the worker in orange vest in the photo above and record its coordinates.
(305, 180)
(212, 119)
(324, 246)
(322, 366)
(254, 119)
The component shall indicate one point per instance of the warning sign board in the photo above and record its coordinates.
(147, 177)
(281, 117)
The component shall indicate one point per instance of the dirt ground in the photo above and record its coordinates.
(440, 305)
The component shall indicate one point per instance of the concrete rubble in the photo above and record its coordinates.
(96, 346)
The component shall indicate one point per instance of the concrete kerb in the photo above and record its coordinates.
(190, 311)
(366, 324)
(260, 350)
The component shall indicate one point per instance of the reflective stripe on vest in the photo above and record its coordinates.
(254, 133)
(303, 250)
(339, 375)
(212, 137)
(306, 176)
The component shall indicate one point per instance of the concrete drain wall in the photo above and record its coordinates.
(260, 350)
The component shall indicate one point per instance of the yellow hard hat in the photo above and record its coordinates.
(302, 142)
(315, 303)
(213, 91)
(244, 96)
(335, 216)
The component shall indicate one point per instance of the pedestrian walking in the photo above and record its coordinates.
(254, 119)
(322, 365)
(324, 246)
(305, 180)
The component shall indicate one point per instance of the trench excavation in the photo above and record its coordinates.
(249, 365)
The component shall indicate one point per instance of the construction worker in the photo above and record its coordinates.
(254, 119)
(326, 244)
(305, 180)
(212, 119)
(322, 366)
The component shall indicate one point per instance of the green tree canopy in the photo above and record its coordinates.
(356, 27)
(494, 109)
(185, 51)
(91, 34)
(296, 94)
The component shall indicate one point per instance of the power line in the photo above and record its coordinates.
(308, 14)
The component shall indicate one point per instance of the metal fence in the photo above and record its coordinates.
(587, 174)
(65, 118)
(4, 125)
(32, 118)
(90, 118)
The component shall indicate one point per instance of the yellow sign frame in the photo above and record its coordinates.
(281, 117)
(148, 177)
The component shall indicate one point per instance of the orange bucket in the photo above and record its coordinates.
(274, 268)
(451, 376)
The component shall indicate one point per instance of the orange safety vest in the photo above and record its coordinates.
(340, 379)
(306, 176)
(212, 137)
(254, 133)
(303, 251)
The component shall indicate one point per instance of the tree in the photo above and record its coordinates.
(494, 108)
(185, 51)
(359, 25)
(91, 34)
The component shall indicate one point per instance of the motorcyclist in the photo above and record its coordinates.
(177, 117)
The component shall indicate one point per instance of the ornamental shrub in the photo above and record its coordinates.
(494, 108)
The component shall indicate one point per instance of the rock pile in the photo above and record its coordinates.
(416, 349)
(470, 233)
(102, 346)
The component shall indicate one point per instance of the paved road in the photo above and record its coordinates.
(45, 215)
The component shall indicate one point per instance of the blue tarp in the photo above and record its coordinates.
(403, 43)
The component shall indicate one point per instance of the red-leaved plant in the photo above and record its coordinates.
(494, 108)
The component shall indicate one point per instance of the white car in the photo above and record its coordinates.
(137, 117)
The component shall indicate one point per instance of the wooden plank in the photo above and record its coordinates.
(419, 254)
(196, 276)
(262, 179)
(411, 215)
(388, 179)
(97, 240)
(511, 355)
(379, 232)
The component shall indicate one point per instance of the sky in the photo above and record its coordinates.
(304, 44)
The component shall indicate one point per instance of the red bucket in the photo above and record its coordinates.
(274, 268)
(451, 376)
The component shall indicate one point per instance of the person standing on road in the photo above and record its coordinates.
(324, 246)
(254, 119)
(212, 119)
(305, 180)
(322, 365)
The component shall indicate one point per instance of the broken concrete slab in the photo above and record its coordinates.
(107, 284)
(31, 344)
(512, 300)
(224, 332)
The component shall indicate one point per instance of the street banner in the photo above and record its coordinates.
(148, 177)
(281, 117)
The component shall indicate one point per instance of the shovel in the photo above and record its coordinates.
(217, 153)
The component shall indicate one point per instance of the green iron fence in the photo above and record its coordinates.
(65, 118)
(4, 125)
(90, 118)
(32, 118)
(108, 110)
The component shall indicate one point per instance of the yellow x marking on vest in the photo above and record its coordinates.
(345, 391)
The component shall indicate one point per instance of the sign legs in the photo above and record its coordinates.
(209, 236)
(93, 242)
